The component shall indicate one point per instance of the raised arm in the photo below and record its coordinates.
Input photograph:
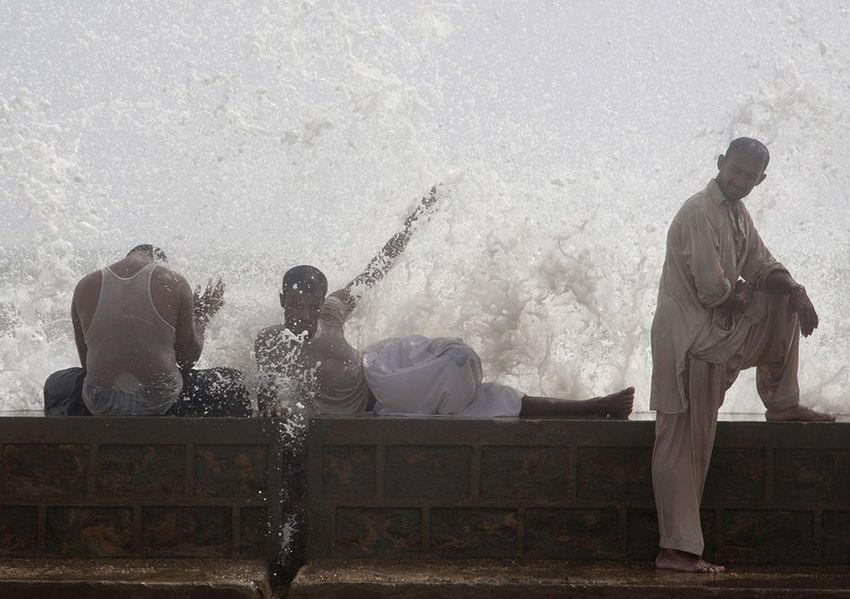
(386, 257)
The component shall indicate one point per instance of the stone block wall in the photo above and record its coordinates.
(131, 487)
(573, 490)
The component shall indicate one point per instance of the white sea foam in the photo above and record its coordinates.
(246, 137)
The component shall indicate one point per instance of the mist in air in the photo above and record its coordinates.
(244, 137)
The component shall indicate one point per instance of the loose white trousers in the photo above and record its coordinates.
(684, 442)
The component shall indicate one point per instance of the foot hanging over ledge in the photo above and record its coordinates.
(797, 414)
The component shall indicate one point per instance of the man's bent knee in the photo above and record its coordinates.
(63, 393)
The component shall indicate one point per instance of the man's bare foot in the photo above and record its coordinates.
(681, 561)
(797, 414)
(617, 405)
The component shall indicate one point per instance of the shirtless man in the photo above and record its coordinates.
(308, 355)
(135, 322)
(724, 304)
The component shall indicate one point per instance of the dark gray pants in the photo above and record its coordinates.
(213, 392)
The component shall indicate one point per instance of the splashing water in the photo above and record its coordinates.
(245, 137)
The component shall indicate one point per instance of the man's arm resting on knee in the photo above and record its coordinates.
(194, 312)
(189, 332)
(740, 297)
(79, 337)
(781, 282)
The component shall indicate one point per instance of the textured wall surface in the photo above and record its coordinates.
(127, 487)
(391, 488)
(560, 489)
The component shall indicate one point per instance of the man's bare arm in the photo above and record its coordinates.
(189, 333)
(194, 312)
(741, 296)
(780, 281)
(386, 257)
(79, 337)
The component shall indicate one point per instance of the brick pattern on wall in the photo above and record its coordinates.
(175, 496)
(568, 490)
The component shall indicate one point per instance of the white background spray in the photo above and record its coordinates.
(246, 136)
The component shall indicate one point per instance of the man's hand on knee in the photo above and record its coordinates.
(800, 304)
(741, 296)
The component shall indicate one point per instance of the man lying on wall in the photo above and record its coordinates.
(309, 356)
(139, 329)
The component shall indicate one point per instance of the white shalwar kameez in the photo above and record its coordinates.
(699, 347)
(412, 375)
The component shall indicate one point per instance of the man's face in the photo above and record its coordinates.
(301, 310)
(738, 174)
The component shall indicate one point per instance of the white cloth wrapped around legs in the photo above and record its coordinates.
(442, 375)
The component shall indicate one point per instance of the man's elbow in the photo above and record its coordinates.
(82, 354)
(188, 357)
(185, 363)
(712, 294)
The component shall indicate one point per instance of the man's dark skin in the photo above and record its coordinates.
(738, 174)
(172, 296)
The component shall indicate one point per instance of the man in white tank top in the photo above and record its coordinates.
(139, 329)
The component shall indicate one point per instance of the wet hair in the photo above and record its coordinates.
(150, 250)
(304, 278)
(750, 147)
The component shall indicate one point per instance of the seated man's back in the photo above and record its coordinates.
(128, 314)
(139, 330)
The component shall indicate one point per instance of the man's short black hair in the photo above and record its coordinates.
(750, 147)
(305, 278)
(150, 250)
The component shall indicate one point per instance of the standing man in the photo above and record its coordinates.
(139, 329)
(724, 304)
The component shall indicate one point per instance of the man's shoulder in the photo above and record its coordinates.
(163, 272)
(170, 280)
(698, 200)
(698, 204)
(88, 287)
(91, 278)
(337, 306)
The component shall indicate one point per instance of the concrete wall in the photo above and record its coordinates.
(156, 487)
(391, 488)
(578, 490)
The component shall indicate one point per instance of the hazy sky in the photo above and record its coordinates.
(245, 136)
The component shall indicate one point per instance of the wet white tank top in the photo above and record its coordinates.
(130, 347)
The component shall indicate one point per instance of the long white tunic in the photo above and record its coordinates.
(711, 243)
(411, 375)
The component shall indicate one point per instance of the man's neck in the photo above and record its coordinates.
(130, 265)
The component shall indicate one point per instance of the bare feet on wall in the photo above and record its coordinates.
(617, 405)
(797, 414)
(681, 561)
